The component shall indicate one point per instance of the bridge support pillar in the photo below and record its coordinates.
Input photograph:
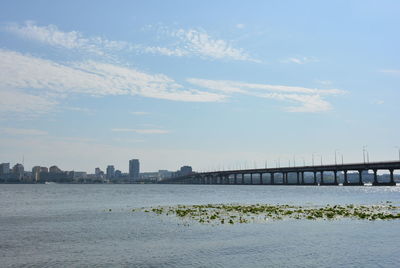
(261, 179)
(375, 177)
(272, 178)
(235, 178)
(335, 181)
(315, 178)
(360, 181)
(345, 180)
(302, 177)
(242, 178)
(322, 178)
(391, 176)
(251, 178)
(298, 177)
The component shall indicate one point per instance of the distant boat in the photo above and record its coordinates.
(50, 182)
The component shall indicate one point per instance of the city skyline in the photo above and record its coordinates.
(203, 84)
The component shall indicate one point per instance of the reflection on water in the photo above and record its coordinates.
(70, 225)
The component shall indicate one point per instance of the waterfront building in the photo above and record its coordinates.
(165, 174)
(134, 169)
(18, 171)
(110, 172)
(36, 174)
(185, 170)
(4, 168)
(118, 174)
(44, 170)
(55, 169)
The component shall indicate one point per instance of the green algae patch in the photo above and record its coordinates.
(238, 214)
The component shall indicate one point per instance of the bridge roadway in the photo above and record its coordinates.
(238, 176)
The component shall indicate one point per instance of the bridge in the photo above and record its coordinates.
(269, 176)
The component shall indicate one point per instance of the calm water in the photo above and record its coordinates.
(68, 226)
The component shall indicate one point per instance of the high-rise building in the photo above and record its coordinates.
(44, 170)
(186, 170)
(55, 169)
(134, 168)
(118, 173)
(4, 168)
(110, 172)
(18, 170)
(36, 173)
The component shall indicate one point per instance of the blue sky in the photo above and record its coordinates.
(212, 84)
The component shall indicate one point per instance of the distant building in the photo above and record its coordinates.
(110, 172)
(97, 172)
(44, 170)
(79, 175)
(36, 174)
(4, 168)
(18, 170)
(185, 170)
(134, 169)
(55, 169)
(165, 174)
(118, 174)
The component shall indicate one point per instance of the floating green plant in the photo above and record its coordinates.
(233, 213)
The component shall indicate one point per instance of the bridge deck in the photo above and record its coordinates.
(375, 166)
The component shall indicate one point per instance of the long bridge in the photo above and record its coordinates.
(269, 176)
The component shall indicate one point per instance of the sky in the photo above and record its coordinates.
(211, 84)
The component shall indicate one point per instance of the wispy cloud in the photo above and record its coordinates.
(14, 102)
(19, 71)
(199, 42)
(308, 99)
(23, 131)
(300, 60)
(379, 102)
(186, 43)
(323, 82)
(391, 71)
(141, 131)
(53, 36)
(140, 113)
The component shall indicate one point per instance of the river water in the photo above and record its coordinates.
(63, 225)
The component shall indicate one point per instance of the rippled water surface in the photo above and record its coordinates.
(71, 226)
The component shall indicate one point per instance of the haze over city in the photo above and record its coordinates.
(166, 86)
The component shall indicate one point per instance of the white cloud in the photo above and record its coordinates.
(51, 80)
(391, 71)
(141, 131)
(240, 87)
(51, 35)
(240, 26)
(300, 60)
(23, 131)
(379, 102)
(324, 82)
(14, 102)
(308, 99)
(201, 43)
(190, 42)
(164, 51)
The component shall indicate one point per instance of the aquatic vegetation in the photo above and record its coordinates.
(234, 213)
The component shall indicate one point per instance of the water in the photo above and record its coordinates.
(64, 225)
